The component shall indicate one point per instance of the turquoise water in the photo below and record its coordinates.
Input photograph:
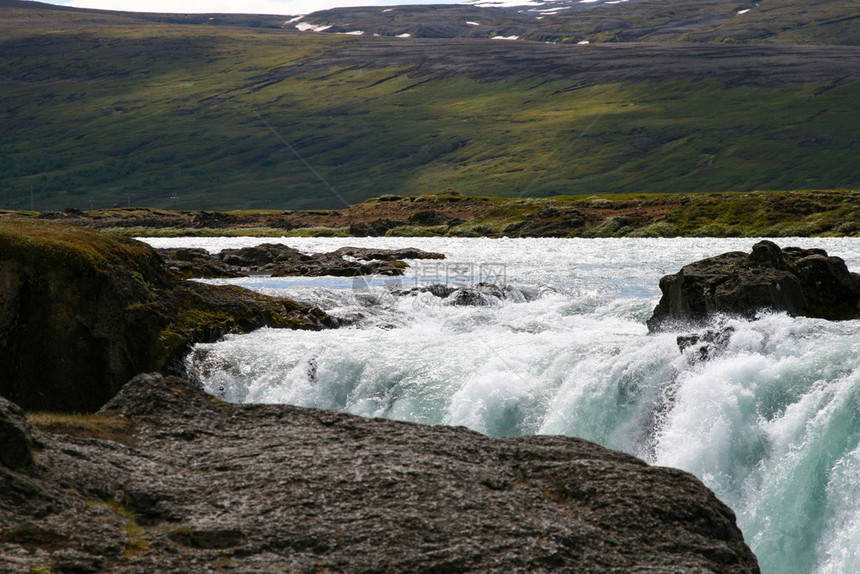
(771, 424)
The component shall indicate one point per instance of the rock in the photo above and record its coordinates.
(81, 313)
(708, 344)
(196, 263)
(365, 253)
(279, 260)
(259, 256)
(375, 228)
(548, 222)
(427, 217)
(16, 443)
(477, 295)
(213, 219)
(800, 282)
(193, 312)
(547, 212)
(276, 488)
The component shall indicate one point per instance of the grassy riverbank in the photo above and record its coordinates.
(755, 214)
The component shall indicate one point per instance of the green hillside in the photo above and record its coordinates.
(100, 110)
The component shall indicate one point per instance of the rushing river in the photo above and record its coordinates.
(771, 424)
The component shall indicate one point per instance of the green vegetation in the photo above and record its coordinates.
(753, 214)
(99, 112)
(136, 541)
(65, 247)
(771, 214)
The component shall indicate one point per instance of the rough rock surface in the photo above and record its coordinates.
(213, 487)
(800, 282)
(82, 313)
(281, 261)
(16, 445)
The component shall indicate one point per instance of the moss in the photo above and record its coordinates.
(136, 542)
(114, 505)
(318, 232)
(64, 247)
(105, 427)
(417, 231)
(657, 229)
(209, 314)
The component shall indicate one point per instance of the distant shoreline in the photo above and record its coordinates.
(830, 213)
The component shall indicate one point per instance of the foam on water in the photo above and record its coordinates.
(771, 423)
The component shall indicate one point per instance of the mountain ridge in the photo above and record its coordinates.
(570, 22)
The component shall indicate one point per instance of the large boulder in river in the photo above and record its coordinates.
(800, 282)
(81, 313)
(212, 487)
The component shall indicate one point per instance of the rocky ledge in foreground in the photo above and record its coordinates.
(279, 260)
(82, 313)
(800, 282)
(198, 485)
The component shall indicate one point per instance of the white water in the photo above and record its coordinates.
(772, 424)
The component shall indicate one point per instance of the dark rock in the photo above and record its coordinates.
(477, 295)
(82, 313)
(427, 217)
(366, 253)
(213, 219)
(547, 212)
(436, 289)
(276, 488)
(710, 343)
(16, 443)
(549, 222)
(280, 260)
(800, 282)
(196, 263)
(64, 342)
(375, 228)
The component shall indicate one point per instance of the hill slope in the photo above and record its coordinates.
(572, 21)
(101, 109)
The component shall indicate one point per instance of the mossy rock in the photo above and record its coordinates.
(82, 312)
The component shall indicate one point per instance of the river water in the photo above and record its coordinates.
(771, 424)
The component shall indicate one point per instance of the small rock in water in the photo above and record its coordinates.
(712, 342)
